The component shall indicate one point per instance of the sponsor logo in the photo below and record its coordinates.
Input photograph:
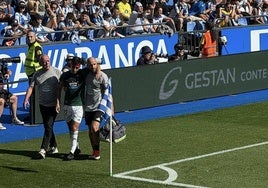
(255, 39)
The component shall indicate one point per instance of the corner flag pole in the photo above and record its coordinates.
(111, 146)
(111, 132)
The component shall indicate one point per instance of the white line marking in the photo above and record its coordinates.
(171, 173)
(159, 182)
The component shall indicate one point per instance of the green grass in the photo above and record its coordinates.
(151, 143)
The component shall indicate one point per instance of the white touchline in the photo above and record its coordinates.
(173, 174)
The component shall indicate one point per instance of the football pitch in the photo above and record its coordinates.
(220, 148)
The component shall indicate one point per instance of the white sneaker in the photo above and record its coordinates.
(52, 150)
(2, 127)
(42, 153)
(17, 121)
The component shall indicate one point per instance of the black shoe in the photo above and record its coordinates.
(77, 151)
(70, 156)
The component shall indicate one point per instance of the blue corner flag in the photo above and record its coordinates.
(107, 102)
(105, 106)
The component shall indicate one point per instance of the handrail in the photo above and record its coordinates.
(122, 26)
(84, 29)
(217, 20)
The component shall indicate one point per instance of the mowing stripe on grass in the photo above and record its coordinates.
(172, 173)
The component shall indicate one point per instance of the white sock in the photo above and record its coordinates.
(74, 137)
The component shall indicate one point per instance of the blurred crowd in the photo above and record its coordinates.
(59, 20)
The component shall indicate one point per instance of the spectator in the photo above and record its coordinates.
(111, 4)
(257, 13)
(209, 41)
(96, 82)
(228, 15)
(68, 26)
(84, 21)
(79, 7)
(124, 9)
(39, 29)
(117, 22)
(7, 98)
(149, 11)
(146, 3)
(72, 83)
(97, 18)
(33, 7)
(239, 8)
(265, 13)
(210, 9)
(12, 33)
(22, 16)
(5, 17)
(96, 11)
(65, 7)
(7, 8)
(87, 27)
(52, 15)
(242, 7)
(139, 20)
(179, 53)
(160, 18)
(248, 7)
(180, 13)
(108, 27)
(46, 79)
(164, 6)
(147, 57)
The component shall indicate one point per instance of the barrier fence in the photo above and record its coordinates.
(162, 84)
(220, 70)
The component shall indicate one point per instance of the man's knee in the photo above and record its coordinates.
(95, 126)
(13, 99)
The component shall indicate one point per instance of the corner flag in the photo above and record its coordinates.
(105, 106)
(107, 102)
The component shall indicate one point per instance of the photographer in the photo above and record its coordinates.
(7, 98)
(179, 53)
(147, 57)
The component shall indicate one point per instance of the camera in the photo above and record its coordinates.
(161, 58)
(10, 60)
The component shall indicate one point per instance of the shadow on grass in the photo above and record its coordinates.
(26, 153)
(31, 154)
(35, 156)
(79, 157)
(19, 169)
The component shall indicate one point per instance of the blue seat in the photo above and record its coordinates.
(196, 25)
(242, 21)
(2, 27)
(22, 40)
(190, 26)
